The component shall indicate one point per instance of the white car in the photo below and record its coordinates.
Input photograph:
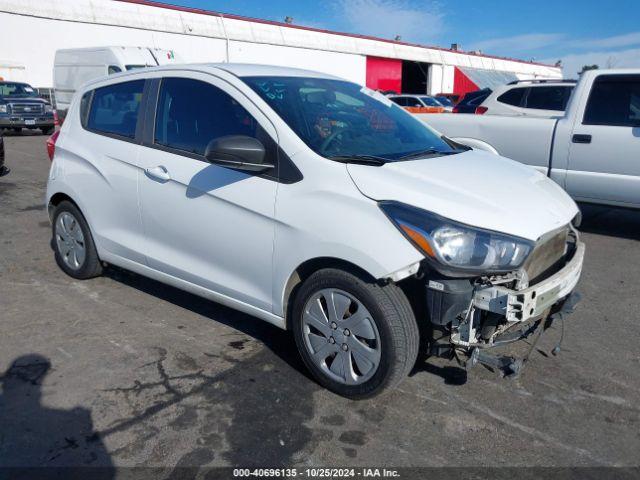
(317, 205)
(529, 98)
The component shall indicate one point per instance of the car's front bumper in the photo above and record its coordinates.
(17, 121)
(523, 305)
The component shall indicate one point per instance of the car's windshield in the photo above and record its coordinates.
(17, 90)
(430, 102)
(339, 119)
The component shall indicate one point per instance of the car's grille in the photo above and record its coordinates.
(27, 108)
(546, 258)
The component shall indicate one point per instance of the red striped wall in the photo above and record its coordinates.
(463, 84)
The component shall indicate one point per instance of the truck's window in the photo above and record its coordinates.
(614, 101)
(191, 113)
(114, 109)
(512, 97)
(548, 98)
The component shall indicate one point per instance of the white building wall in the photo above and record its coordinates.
(55, 24)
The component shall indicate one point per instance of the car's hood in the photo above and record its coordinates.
(475, 188)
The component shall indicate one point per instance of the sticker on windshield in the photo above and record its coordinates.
(28, 89)
(376, 95)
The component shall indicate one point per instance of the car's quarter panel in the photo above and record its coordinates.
(99, 173)
(206, 224)
(527, 140)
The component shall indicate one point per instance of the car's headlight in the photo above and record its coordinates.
(456, 246)
(3, 109)
(48, 109)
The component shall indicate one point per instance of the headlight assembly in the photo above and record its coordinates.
(3, 108)
(455, 246)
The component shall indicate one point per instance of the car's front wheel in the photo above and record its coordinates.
(358, 338)
(73, 245)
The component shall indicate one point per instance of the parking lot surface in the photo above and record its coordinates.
(124, 371)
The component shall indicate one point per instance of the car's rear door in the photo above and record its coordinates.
(206, 224)
(604, 156)
(101, 164)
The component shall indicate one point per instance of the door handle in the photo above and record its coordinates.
(158, 173)
(581, 138)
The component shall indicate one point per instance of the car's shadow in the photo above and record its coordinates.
(280, 342)
(610, 221)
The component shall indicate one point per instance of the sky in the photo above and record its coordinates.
(578, 32)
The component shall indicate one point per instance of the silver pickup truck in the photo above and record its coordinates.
(593, 151)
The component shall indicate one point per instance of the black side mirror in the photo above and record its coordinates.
(239, 152)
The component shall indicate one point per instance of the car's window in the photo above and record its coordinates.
(192, 113)
(430, 102)
(512, 97)
(85, 103)
(340, 118)
(402, 101)
(548, 98)
(414, 102)
(113, 69)
(17, 90)
(615, 101)
(114, 108)
(445, 101)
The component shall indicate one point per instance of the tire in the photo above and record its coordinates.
(71, 236)
(371, 310)
(47, 130)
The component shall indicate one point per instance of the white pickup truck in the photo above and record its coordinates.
(593, 151)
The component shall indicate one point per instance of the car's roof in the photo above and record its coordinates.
(237, 69)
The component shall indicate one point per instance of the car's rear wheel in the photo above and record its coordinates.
(357, 338)
(75, 251)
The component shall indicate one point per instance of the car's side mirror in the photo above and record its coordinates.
(239, 152)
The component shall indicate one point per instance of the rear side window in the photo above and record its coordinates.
(114, 109)
(512, 97)
(85, 103)
(548, 98)
(614, 101)
(191, 113)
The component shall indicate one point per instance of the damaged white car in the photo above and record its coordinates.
(317, 205)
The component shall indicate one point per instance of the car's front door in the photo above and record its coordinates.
(206, 224)
(604, 157)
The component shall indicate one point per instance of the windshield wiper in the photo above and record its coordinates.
(431, 151)
(360, 159)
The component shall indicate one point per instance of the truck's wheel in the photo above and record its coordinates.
(357, 338)
(73, 244)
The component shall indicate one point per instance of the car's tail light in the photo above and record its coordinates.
(481, 110)
(51, 144)
(56, 119)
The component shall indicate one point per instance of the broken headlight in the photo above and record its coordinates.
(456, 246)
